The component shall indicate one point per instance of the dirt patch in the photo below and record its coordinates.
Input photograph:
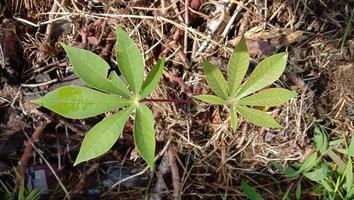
(334, 90)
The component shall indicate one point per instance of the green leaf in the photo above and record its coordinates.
(351, 147)
(92, 69)
(234, 119)
(103, 136)
(266, 73)
(257, 117)
(250, 192)
(130, 60)
(321, 140)
(318, 174)
(79, 102)
(237, 67)
(268, 97)
(309, 163)
(152, 78)
(215, 79)
(298, 191)
(211, 99)
(349, 174)
(337, 160)
(144, 134)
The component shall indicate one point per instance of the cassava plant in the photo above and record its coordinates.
(107, 93)
(239, 97)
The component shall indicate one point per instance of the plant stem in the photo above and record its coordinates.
(176, 101)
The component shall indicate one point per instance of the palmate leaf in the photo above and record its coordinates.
(211, 99)
(92, 69)
(144, 134)
(103, 135)
(266, 73)
(215, 79)
(152, 78)
(237, 67)
(78, 102)
(257, 117)
(268, 97)
(130, 60)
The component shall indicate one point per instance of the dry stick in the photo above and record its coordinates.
(239, 151)
(146, 168)
(49, 28)
(186, 18)
(27, 153)
(83, 177)
(170, 43)
(176, 181)
(160, 185)
(39, 84)
(47, 163)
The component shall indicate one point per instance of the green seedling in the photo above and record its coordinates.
(250, 192)
(239, 97)
(330, 167)
(108, 93)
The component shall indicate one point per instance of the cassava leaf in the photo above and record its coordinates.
(152, 78)
(102, 136)
(79, 102)
(215, 79)
(266, 73)
(257, 117)
(237, 67)
(211, 99)
(144, 134)
(268, 97)
(130, 60)
(250, 192)
(92, 69)
(234, 119)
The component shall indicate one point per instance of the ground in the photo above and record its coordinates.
(198, 155)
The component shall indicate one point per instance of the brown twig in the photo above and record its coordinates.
(83, 177)
(27, 152)
(176, 180)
